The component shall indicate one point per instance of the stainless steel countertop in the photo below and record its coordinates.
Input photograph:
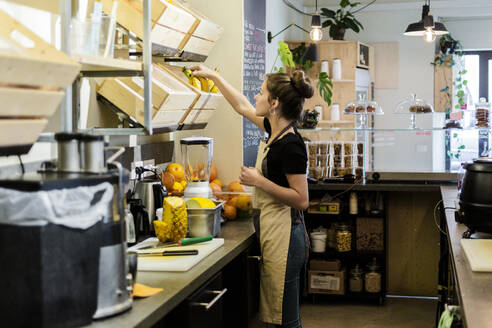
(238, 236)
(474, 289)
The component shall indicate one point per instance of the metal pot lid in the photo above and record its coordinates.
(483, 164)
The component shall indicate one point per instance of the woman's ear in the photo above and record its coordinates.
(275, 103)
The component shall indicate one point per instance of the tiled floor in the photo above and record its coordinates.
(395, 313)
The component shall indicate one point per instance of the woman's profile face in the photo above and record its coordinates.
(261, 99)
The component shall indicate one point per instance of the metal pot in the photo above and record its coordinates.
(152, 193)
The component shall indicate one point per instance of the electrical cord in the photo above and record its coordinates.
(359, 180)
(435, 221)
(21, 164)
(293, 7)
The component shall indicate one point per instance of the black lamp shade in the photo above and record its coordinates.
(440, 29)
(316, 21)
(311, 53)
(427, 21)
(415, 29)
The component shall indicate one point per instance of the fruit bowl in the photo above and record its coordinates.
(238, 205)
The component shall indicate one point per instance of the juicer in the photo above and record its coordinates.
(197, 159)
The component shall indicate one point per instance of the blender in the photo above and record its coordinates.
(197, 158)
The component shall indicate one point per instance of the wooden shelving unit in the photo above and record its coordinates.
(100, 64)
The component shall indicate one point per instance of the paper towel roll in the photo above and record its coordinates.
(335, 112)
(337, 69)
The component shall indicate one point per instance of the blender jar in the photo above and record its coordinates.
(197, 159)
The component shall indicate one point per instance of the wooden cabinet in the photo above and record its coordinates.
(353, 55)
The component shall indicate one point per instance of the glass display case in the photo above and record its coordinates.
(361, 151)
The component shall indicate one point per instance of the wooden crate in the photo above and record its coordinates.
(198, 116)
(207, 100)
(30, 60)
(15, 132)
(25, 102)
(206, 29)
(171, 25)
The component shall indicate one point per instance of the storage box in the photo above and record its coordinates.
(170, 25)
(322, 265)
(326, 282)
(204, 221)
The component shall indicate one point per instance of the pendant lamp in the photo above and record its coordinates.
(426, 27)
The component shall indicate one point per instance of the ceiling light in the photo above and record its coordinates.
(426, 27)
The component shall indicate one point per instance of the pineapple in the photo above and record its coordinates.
(174, 224)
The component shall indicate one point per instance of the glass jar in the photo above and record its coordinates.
(482, 110)
(343, 238)
(356, 281)
(331, 236)
(372, 278)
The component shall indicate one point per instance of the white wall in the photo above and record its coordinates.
(416, 151)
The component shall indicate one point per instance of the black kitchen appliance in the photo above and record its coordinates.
(475, 198)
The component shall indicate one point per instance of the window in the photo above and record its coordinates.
(463, 146)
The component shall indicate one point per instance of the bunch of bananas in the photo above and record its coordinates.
(200, 82)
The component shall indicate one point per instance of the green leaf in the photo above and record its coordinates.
(460, 93)
(457, 156)
(465, 82)
(464, 71)
(449, 153)
(459, 86)
(344, 3)
(281, 70)
(333, 30)
(327, 13)
(458, 79)
(461, 147)
(324, 86)
(455, 135)
(461, 102)
(354, 4)
(457, 106)
(285, 54)
(326, 23)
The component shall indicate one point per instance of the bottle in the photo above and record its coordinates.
(130, 226)
(356, 279)
(353, 205)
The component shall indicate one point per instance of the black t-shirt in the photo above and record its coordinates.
(287, 155)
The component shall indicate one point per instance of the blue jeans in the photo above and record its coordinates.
(295, 262)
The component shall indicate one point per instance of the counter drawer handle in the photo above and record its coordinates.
(256, 257)
(207, 306)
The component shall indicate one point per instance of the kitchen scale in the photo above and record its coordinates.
(197, 159)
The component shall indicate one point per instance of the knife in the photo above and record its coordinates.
(181, 242)
(173, 253)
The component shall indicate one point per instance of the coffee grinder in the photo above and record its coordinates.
(197, 155)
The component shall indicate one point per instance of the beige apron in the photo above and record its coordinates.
(274, 235)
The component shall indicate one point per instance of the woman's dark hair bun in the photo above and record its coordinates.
(302, 84)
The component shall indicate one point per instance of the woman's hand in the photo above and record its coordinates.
(203, 71)
(249, 176)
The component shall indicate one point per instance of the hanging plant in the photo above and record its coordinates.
(285, 57)
(297, 54)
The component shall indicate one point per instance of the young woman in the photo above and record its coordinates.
(281, 192)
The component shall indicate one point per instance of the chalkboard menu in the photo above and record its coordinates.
(253, 71)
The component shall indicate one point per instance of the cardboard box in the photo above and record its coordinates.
(326, 282)
(325, 265)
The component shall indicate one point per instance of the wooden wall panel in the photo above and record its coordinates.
(386, 65)
(443, 78)
(413, 244)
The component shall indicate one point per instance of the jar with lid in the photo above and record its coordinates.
(372, 277)
(482, 110)
(356, 280)
(343, 238)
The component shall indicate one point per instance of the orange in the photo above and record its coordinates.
(177, 170)
(217, 182)
(229, 212)
(243, 202)
(235, 186)
(216, 189)
(213, 173)
(178, 187)
(168, 180)
(232, 202)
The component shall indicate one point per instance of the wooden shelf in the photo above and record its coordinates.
(343, 81)
(96, 63)
(336, 122)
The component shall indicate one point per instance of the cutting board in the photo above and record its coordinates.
(174, 263)
(479, 254)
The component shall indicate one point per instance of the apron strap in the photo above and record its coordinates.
(291, 124)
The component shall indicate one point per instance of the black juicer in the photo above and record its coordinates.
(475, 199)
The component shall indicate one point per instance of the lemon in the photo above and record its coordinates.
(204, 202)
